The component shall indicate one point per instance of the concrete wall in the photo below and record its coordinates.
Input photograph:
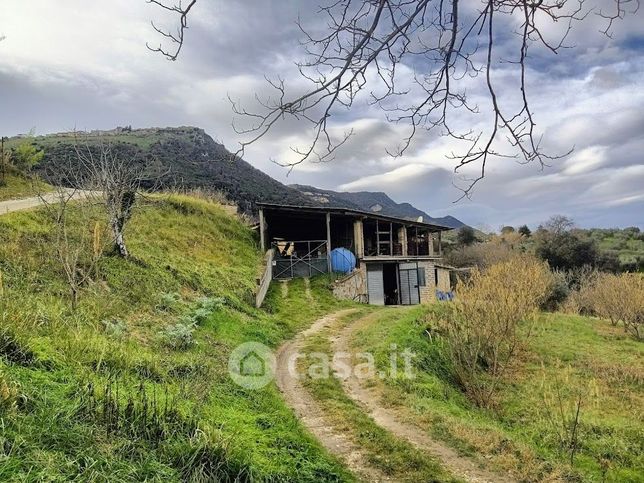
(352, 286)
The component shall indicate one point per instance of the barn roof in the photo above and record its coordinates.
(354, 213)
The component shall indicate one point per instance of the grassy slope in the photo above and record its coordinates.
(580, 352)
(63, 424)
(16, 187)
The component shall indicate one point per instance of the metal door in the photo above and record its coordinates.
(409, 291)
(375, 284)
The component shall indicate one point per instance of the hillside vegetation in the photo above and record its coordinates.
(133, 384)
(529, 428)
(190, 158)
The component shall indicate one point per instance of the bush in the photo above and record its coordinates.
(558, 291)
(114, 327)
(620, 298)
(566, 251)
(179, 336)
(479, 255)
(483, 324)
(168, 301)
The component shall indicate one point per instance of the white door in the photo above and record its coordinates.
(375, 284)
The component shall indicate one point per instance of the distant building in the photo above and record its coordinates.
(397, 261)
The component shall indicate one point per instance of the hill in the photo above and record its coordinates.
(133, 384)
(192, 159)
(373, 201)
(188, 157)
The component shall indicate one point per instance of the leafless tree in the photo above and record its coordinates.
(78, 234)
(558, 224)
(114, 181)
(373, 46)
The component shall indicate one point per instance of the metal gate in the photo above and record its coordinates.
(409, 290)
(375, 284)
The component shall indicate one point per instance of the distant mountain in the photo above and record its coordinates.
(377, 202)
(192, 159)
(189, 157)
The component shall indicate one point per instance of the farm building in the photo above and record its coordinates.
(379, 259)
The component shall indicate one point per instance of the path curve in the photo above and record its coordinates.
(310, 413)
(9, 206)
(369, 397)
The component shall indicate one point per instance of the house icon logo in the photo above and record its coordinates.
(252, 365)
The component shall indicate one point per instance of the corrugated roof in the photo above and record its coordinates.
(353, 212)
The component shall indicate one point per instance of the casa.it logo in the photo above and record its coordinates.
(252, 365)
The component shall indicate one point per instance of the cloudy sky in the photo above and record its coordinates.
(74, 64)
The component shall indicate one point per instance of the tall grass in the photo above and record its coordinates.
(97, 394)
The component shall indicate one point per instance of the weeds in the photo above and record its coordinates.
(143, 413)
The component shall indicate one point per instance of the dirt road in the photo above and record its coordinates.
(369, 398)
(310, 413)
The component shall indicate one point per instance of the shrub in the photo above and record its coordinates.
(558, 291)
(114, 327)
(620, 298)
(565, 251)
(483, 324)
(168, 301)
(179, 336)
(480, 255)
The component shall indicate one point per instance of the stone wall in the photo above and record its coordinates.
(352, 286)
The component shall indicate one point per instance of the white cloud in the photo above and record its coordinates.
(85, 64)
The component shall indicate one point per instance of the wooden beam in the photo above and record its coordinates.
(262, 229)
(328, 240)
(358, 238)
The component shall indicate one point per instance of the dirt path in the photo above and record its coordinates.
(9, 206)
(369, 397)
(310, 413)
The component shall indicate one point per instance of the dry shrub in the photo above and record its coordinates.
(620, 298)
(480, 255)
(483, 323)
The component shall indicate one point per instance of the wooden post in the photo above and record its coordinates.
(262, 228)
(328, 241)
(402, 239)
(358, 238)
(440, 244)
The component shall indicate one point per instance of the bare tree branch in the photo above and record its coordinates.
(175, 38)
(415, 59)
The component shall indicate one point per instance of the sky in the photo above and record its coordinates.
(75, 64)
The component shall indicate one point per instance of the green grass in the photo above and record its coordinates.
(98, 395)
(15, 187)
(396, 458)
(582, 354)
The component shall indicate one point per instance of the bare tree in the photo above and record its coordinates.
(116, 182)
(558, 224)
(366, 46)
(78, 234)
